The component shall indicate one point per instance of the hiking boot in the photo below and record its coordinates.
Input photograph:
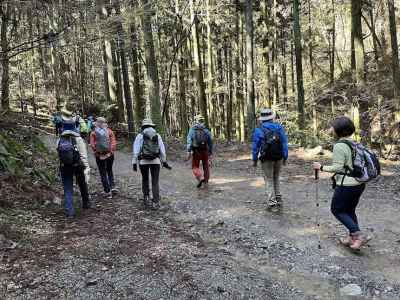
(359, 240)
(108, 195)
(146, 202)
(156, 205)
(114, 190)
(278, 200)
(346, 241)
(200, 183)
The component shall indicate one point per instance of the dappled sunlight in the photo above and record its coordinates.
(228, 213)
(303, 231)
(225, 180)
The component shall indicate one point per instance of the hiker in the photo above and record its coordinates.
(83, 128)
(104, 145)
(347, 190)
(149, 153)
(57, 121)
(270, 146)
(200, 149)
(73, 162)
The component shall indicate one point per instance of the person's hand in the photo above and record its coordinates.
(134, 166)
(254, 163)
(166, 165)
(317, 166)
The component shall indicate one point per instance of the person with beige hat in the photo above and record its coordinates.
(270, 146)
(149, 153)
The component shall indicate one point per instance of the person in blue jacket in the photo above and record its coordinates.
(270, 146)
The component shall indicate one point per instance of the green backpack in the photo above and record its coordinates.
(83, 126)
(151, 148)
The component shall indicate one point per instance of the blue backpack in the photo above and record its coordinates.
(68, 152)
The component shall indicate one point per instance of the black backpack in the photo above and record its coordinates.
(200, 139)
(271, 147)
(68, 152)
(150, 148)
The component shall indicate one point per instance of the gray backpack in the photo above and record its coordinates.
(103, 144)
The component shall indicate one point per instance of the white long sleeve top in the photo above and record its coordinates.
(137, 147)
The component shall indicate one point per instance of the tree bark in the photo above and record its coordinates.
(299, 64)
(395, 55)
(153, 83)
(251, 109)
(198, 65)
(5, 84)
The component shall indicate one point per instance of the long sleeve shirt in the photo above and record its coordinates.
(258, 137)
(341, 157)
(190, 137)
(137, 148)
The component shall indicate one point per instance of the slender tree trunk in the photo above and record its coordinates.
(251, 109)
(198, 65)
(395, 55)
(299, 64)
(229, 106)
(140, 104)
(5, 84)
(153, 84)
(210, 66)
(238, 81)
(333, 45)
(105, 72)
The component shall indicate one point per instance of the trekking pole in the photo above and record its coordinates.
(317, 204)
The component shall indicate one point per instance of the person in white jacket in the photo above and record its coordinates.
(73, 163)
(149, 154)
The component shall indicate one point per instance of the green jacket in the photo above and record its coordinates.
(341, 157)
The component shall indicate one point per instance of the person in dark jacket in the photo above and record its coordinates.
(272, 163)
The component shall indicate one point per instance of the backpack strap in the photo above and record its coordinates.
(347, 170)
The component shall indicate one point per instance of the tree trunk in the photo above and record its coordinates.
(198, 65)
(238, 81)
(251, 109)
(333, 45)
(5, 84)
(105, 72)
(210, 65)
(395, 55)
(299, 65)
(153, 83)
(140, 104)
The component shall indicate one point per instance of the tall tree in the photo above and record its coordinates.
(299, 64)
(198, 63)
(153, 83)
(395, 55)
(5, 12)
(251, 106)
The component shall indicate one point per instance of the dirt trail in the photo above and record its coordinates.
(216, 243)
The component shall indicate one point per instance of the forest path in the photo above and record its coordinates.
(219, 242)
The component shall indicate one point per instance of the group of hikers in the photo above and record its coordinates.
(352, 166)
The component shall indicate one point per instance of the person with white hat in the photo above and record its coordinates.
(200, 149)
(149, 153)
(270, 146)
(104, 145)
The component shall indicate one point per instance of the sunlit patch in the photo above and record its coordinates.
(238, 158)
(306, 231)
(231, 212)
(257, 183)
(227, 180)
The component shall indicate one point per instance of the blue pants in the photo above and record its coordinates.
(106, 172)
(67, 175)
(344, 204)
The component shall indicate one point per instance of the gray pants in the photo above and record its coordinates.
(272, 171)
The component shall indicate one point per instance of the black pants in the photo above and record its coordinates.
(155, 175)
(344, 204)
(67, 175)
(106, 172)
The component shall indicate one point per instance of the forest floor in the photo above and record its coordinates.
(214, 243)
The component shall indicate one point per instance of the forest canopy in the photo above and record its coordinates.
(310, 60)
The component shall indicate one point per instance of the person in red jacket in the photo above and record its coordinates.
(104, 145)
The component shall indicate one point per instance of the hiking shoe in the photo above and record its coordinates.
(359, 240)
(156, 205)
(200, 183)
(278, 200)
(346, 241)
(109, 195)
(146, 202)
(114, 190)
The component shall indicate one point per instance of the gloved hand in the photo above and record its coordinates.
(255, 163)
(87, 175)
(166, 165)
(134, 166)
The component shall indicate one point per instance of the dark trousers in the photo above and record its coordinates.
(67, 176)
(58, 129)
(344, 204)
(201, 156)
(106, 172)
(155, 175)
